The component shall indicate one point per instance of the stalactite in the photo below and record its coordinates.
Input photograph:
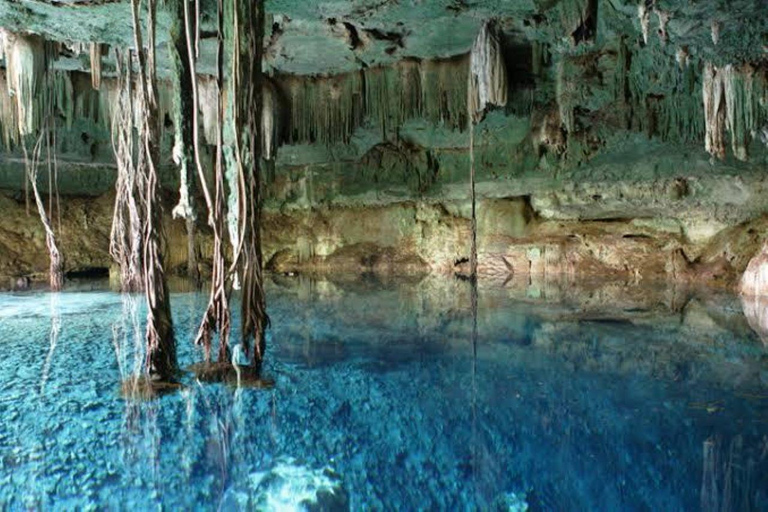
(488, 73)
(644, 14)
(95, 53)
(577, 18)
(60, 95)
(742, 105)
(107, 101)
(325, 110)
(715, 31)
(444, 92)
(8, 112)
(734, 99)
(564, 93)
(663, 21)
(161, 348)
(682, 57)
(270, 119)
(85, 101)
(27, 58)
(714, 111)
(248, 34)
(328, 110)
(664, 99)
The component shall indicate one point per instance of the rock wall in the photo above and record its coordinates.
(414, 237)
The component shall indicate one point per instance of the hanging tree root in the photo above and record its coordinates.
(487, 86)
(126, 240)
(56, 272)
(248, 34)
(31, 81)
(185, 108)
(161, 362)
(217, 317)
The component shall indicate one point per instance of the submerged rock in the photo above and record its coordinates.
(235, 375)
(510, 502)
(288, 486)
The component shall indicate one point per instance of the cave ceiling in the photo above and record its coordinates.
(335, 36)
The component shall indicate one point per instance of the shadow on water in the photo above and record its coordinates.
(426, 393)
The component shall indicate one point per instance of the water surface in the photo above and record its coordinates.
(600, 398)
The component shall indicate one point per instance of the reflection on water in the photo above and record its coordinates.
(756, 312)
(601, 397)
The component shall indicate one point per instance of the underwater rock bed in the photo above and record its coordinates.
(574, 400)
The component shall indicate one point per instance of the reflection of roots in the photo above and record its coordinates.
(143, 388)
(54, 337)
(727, 476)
(235, 375)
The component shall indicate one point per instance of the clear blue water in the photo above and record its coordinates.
(598, 400)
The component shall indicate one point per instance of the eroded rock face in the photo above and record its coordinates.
(413, 238)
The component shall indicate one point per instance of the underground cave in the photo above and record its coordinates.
(384, 255)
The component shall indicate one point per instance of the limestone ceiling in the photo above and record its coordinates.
(332, 36)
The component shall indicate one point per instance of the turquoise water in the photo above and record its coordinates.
(607, 398)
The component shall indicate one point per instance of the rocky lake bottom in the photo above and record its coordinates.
(606, 397)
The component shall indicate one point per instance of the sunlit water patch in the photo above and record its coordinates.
(609, 398)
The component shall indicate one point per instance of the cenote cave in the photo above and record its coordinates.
(377, 255)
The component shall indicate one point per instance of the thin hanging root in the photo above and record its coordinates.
(217, 315)
(196, 101)
(56, 273)
(487, 86)
(473, 199)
